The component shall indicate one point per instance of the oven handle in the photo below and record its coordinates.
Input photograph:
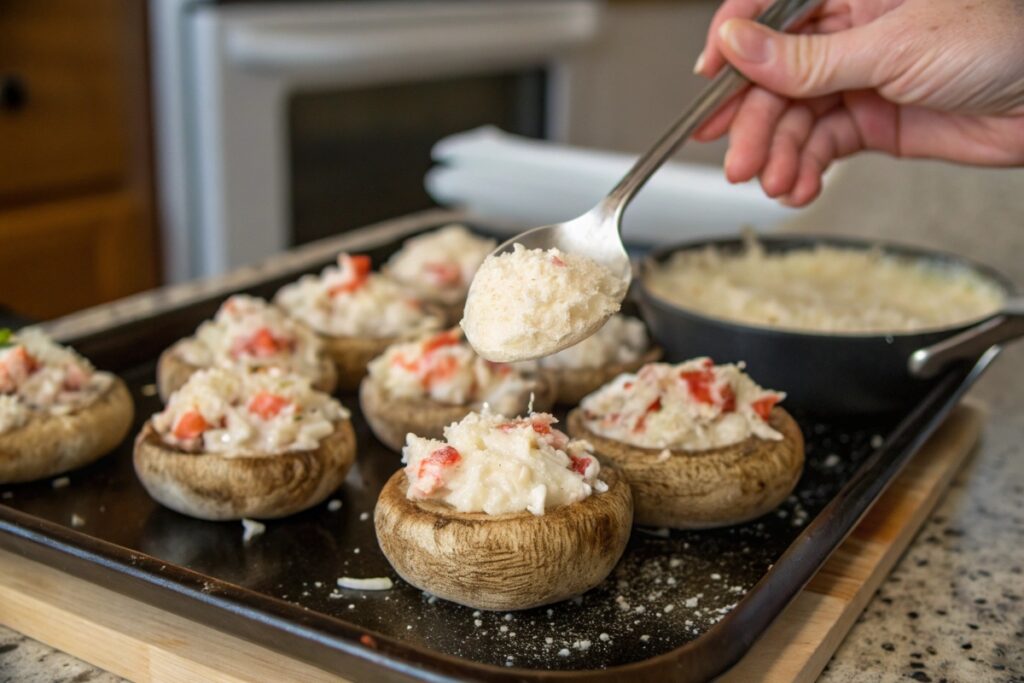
(354, 45)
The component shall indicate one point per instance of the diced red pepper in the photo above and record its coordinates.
(557, 261)
(627, 386)
(431, 468)
(448, 338)
(356, 270)
(641, 422)
(763, 406)
(444, 273)
(441, 369)
(406, 364)
(728, 397)
(263, 343)
(579, 465)
(190, 425)
(699, 383)
(267, 405)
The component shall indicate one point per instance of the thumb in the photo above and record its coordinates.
(802, 65)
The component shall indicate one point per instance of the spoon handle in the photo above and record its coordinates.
(781, 15)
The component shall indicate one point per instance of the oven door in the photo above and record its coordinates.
(287, 122)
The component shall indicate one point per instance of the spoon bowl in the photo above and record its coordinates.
(592, 235)
(597, 233)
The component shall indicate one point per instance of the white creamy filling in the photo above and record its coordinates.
(38, 376)
(247, 414)
(441, 263)
(247, 332)
(824, 289)
(528, 303)
(621, 340)
(496, 465)
(338, 304)
(691, 406)
(444, 368)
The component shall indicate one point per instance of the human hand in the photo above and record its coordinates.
(940, 79)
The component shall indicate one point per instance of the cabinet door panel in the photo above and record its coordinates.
(64, 256)
(62, 109)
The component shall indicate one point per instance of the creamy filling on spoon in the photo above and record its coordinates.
(529, 303)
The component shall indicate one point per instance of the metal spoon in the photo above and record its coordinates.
(597, 233)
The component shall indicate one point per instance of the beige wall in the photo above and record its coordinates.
(637, 78)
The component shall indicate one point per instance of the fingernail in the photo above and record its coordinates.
(747, 40)
(699, 66)
(787, 201)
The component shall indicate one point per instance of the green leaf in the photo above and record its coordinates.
(5, 337)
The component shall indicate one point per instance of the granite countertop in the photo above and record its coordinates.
(953, 608)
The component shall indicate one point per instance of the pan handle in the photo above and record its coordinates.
(971, 343)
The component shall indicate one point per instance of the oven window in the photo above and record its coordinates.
(359, 156)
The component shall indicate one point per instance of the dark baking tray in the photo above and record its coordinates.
(680, 606)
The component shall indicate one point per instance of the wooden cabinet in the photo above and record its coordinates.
(76, 216)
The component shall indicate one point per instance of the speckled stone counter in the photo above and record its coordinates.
(953, 609)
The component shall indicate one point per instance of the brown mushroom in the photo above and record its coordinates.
(575, 383)
(48, 445)
(172, 371)
(702, 489)
(504, 562)
(392, 417)
(217, 486)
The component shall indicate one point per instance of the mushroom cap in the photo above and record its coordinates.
(504, 562)
(351, 355)
(576, 383)
(48, 445)
(703, 489)
(215, 486)
(172, 371)
(391, 417)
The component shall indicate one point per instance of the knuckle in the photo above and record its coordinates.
(808, 62)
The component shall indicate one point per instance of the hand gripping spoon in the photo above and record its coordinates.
(597, 233)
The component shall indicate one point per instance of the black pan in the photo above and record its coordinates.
(828, 373)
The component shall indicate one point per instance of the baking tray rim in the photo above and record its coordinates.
(106, 562)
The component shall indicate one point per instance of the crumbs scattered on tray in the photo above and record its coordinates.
(333, 505)
(671, 587)
(60, 482)
(251, 529)
(148, 390)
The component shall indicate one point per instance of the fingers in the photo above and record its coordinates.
(711, 60)
(783, 160)
(834, 136)
(718, 123)
(751, 134)
(801, 65)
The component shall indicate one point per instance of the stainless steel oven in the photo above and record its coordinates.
(282, 122)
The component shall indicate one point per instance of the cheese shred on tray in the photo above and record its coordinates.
(497, 465)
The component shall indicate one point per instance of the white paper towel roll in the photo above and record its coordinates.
(521, 182)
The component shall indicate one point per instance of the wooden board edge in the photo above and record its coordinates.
(144, 643)
(807, 633)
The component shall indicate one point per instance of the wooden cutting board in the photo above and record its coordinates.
(143, 643)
